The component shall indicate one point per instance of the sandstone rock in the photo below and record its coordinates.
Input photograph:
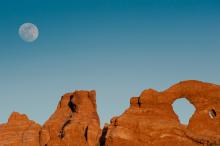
(151, 121)
(19, 131)
(74, 123)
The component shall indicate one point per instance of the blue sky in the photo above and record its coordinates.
(117, 47)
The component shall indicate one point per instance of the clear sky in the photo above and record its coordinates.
(117, 47)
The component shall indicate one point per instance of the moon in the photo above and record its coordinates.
(28, 32)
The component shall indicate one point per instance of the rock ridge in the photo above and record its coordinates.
(149, 121)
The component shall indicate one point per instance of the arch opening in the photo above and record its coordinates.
(183, 109)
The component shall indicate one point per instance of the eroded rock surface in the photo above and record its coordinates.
(151, 121)
(19, 131)
(74, 123)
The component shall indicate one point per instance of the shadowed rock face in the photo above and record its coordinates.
(149, 121)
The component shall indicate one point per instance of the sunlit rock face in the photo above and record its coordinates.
(19, 131)
(151, 121)
(74, 123)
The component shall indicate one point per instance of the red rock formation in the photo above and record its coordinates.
(74, 123)
(151, 121)
(19, 131)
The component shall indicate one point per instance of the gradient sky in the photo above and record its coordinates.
(117, 47)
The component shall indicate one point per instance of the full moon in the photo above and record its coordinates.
(28, 32)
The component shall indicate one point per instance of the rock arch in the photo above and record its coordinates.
(204, 96)
(150, 120)
(157, 122)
